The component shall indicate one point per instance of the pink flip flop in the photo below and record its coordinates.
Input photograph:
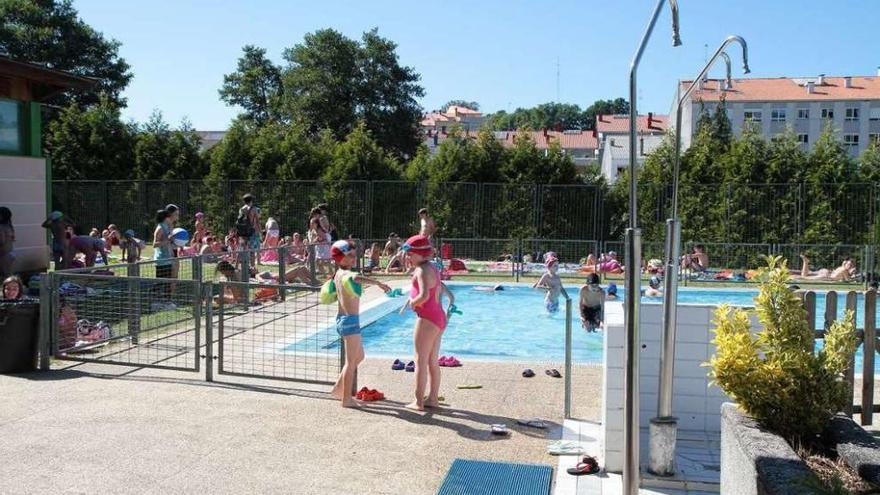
(452, 362)
(443, 361)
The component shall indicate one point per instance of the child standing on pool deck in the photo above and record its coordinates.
(347, 286)
(425, 299)
(550, 282)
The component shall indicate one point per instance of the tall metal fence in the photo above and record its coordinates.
(844, 213)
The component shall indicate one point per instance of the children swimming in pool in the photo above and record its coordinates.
(591, 301)
(346, 287)
(426, 300)
(550, 282)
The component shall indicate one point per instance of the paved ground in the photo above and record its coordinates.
(102, 429)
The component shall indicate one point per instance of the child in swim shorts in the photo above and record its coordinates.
(592, 304)
(346, 288)
(550, 282)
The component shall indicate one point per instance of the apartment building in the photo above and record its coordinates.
(612, 132)
(807, 104)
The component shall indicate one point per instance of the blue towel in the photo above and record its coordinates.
(467, 477)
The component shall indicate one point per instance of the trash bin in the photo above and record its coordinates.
(19, 327)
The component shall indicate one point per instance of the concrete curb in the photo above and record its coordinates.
(757, 462)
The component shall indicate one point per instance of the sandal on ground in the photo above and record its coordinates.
(499, 429)
(589, 465)
(469, 386)
(443, 361)
(554, 373)
(410, 367)
(532, 423)
(452, 362)
(397, 365)
(528, 373)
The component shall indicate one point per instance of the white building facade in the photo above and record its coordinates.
(807, 105)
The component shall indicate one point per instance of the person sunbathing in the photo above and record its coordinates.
(843, 273)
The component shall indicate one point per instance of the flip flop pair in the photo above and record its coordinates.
(528, 373)
(449, 362)
(398, 365)
(369, 395)
(588, 465)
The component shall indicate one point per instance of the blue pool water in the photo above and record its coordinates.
(513, 325)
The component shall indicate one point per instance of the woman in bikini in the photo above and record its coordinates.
(425, 300)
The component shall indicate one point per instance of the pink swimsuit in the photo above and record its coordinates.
(431, 309)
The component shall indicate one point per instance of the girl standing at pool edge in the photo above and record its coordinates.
(425, 299)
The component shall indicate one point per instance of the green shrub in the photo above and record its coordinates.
(776, 377)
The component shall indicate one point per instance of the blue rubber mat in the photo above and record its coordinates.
(496, 478)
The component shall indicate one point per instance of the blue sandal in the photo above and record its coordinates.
(397, 365)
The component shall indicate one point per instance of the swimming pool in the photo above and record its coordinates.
(512, 325)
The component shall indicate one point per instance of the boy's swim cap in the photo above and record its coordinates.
(654, 282)
(130, 233)
(612, 288)
(56, 215)
(200, 215)
(340, 249)
(418, 244)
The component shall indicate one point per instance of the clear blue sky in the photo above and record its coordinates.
(500, 53)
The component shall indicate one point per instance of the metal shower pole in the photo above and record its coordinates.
(633, 272)
(664, 427)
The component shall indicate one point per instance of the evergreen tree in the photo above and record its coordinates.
(92, 144)
(255, 85)
(826, 197)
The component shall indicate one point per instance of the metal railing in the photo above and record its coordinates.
(135, 321)
(522, 258)
(262, 335)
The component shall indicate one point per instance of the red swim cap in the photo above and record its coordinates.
(340, 249)
(419, 244)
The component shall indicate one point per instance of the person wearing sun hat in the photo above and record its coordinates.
(550, 282)
(345, 288)
(425, 299)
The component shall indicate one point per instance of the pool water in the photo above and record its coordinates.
(513, 325)
(502, 325)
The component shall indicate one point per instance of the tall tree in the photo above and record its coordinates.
(165, 153)
(460, 103)
(50, 32)
(91, 144)
(333, 82)
(255, 85)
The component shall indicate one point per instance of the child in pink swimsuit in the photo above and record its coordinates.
(425, 299)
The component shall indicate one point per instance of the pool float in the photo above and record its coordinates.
(329, 291)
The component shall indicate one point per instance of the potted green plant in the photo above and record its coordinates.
(786, 392)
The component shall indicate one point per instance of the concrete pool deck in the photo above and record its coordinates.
(88, 428)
